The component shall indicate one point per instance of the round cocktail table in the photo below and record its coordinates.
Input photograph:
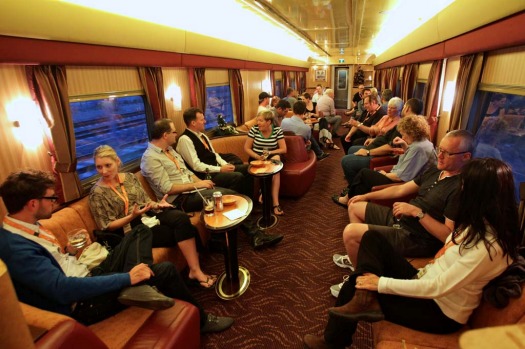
(234, 281)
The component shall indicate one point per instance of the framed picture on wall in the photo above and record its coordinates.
(320, 75)
(342, 79)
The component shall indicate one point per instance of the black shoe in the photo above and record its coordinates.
(216, 324)
(323, 156)
(261, 240)
(344, 192)
(145, 296)
(335, 199)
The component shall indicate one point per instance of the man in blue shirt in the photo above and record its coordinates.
(296, 125)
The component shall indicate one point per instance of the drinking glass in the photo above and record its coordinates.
(77, 237)
(208, 206)
(396, 224)
(265, 153)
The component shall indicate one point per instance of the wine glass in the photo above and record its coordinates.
(77, 237)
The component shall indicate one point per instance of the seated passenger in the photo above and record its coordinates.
(279, 111)
(387, 122)
(360, 127)
(200, 157)
(116, 200)
(166, 173)
(359, 156)
(51, 278)
(296, 125)
(417, 156)
(267, 141)
(425, 221)
(440, 297)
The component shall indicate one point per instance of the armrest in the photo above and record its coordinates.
(378, 161)
(70, 334)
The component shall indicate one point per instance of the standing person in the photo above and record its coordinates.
(115, 202)
(166, 172)
(440, 297)
(326, 106)
(296, 125)
(263, 136)
(318, 93)
(51, 278)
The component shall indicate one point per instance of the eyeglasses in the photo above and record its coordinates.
(172, 132)
(53, 199)
(448, 154)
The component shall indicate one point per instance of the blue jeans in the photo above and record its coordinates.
(352, 164)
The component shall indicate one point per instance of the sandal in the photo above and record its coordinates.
(206, 284)
(277, 210)
(335, 198)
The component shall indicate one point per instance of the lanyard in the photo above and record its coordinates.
(172, 158)
(42, 233)
(123, 196)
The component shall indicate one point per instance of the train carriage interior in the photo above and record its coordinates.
(78, 74)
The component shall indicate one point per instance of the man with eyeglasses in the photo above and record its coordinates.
(167, 173)
(417, 228)
(50, 277)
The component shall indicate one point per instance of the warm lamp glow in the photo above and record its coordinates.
(266, 86)
(448, 95)
(174, 95)
(27, 121)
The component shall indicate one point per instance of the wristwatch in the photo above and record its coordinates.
(420, 215)
(367, 152)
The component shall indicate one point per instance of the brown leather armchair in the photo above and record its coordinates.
(299, 169)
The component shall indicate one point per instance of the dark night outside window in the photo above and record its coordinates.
(120, 122)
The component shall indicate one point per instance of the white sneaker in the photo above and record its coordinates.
(343, 261)
(334, 289)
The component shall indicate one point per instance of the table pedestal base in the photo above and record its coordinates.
(263, 223)
(229, 289)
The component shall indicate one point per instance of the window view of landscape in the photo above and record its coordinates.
(501, 130)
(117, 121)
(219, 102)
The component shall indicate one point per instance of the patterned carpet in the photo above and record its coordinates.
(289, 291)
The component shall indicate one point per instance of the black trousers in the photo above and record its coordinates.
(135, 248)
(239, 180)
(193, 202)
(365, 180)
(377, 256)
(175, 226)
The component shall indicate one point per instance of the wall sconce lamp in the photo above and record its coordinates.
(174, 95)
(27, 122)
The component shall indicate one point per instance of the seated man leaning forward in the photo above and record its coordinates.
(166, 173)
(426, 221)
(296, 125)
(50, 277)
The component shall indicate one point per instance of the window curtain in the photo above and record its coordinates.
(378, 83)
(272, 82)
(392, 78)
(49, 87)
(285, 83)
(469, 74)
(408, 81)
(153, 85)
(197, 87)
(431, 96)
(237, 90)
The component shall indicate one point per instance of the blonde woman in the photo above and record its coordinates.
(265, 136)
(118, 202)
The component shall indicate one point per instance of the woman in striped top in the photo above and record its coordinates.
(265, 136)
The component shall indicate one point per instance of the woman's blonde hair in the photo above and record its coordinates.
(105, 151)
(266, 114)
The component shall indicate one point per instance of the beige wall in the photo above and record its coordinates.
(29, 150)
(254, 82)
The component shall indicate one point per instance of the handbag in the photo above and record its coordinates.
(109, 239)
(93, 255)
